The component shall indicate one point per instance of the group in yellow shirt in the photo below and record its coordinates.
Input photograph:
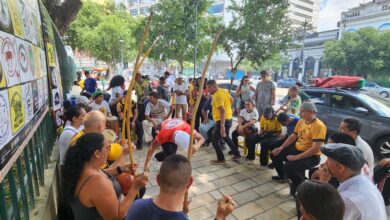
(308, 133)
(221, 98)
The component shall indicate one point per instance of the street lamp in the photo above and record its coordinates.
(122, 64)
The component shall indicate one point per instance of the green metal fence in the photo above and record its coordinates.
(20, 187)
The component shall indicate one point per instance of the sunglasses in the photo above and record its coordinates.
(263, 76)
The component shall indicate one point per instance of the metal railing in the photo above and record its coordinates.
(20, 188)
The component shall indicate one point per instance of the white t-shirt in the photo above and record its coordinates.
(114, 91)
(367, 154)
(64, 140)
(158, 110)
(182, 99)
(103, 107)
(248, 116)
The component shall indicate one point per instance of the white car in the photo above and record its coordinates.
(256, 79)
(373, 87)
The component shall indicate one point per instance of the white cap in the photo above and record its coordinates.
(82, 99)
(182, 139)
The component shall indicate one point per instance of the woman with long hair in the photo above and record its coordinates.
(75, 115)
(243, 92)
(91, 192)
(117, 87)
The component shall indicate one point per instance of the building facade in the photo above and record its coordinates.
(374, 14)
(304, 10)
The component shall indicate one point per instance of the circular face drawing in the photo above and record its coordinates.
(27, 98)
(23, 58)
(4, 120)
(5, 19)
(8, 57)
(24, 15)
(16, 108)
(58, 118)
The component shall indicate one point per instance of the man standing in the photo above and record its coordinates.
(155, 114)
(222, 115)
(362, 199)
(352, 127)
(301, 150)
(265, 93)
(163, 90)
(180, 89)
(90, 83)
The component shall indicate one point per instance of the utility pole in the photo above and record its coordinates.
(196, 35)
(122, 64)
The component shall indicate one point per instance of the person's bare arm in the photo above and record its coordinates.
(249, 124)
(171, 108)
(105, 200)
(223, 119)
(293, 137)
(204, 114)
(273, 96)
(153, 147)
(199, 141)
(239, 121)
(238, 91)
(135, 115)
(310, 152)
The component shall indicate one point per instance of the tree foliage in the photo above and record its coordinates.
(103, 30)
(174, 22)
(63, 14)
(364, 52)
(258, 31)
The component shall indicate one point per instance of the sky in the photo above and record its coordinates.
(331, 12)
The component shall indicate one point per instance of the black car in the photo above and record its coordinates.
(335, 104)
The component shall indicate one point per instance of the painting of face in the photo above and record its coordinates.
(5, 125)
(5, 18)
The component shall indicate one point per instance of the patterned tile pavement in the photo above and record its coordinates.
(257, 196)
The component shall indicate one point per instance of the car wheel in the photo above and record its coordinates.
(383, 146)
(384, 94)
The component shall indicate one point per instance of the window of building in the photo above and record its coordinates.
(302, 15)
(134, 12)
(147, 1)
(216, 9)
(304, 8)
(308, 2)
(144, 10)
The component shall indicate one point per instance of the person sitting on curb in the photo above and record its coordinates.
(270, 130)
(174, 179)
(301, 150)
(361, 198)
(155, 114)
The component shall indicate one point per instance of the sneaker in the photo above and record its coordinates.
(236, 157)
(250, 162)
(278, 178)
(216, 162)
(293, 189)
(230, 153)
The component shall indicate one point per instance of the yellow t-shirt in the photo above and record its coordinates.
(81, 84)
(191, 100)
(75, 138)
(270, 125)
(309, 133)
(221, 98)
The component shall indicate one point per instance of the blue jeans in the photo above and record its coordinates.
(204, 128)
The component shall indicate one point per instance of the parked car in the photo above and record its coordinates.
(373, 110)
(286, 83)
(373, 87)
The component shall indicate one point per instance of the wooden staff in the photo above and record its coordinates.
(205, 68)
(129, 93)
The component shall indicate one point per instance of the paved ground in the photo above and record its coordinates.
(257, 196)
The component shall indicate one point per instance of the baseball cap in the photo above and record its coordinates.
(345, 154)
(182, 139)
(96, 94)
(309, 106)
(82, 99)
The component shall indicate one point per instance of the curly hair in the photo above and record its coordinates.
(117, 80)
(75, 158)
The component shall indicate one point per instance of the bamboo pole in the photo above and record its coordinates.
(214, 45)
(128, 99)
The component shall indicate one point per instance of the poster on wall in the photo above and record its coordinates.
(23, 61)
(9, 59)
(16, 108)
(56, 99)
(5, 119)
(27, 101)
(5, 17)
(13, 7)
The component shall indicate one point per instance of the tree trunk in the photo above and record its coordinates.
(63, 14)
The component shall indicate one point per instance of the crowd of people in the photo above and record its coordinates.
(345, 186)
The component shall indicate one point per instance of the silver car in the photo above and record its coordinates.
(373, 87)
(374, 111)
